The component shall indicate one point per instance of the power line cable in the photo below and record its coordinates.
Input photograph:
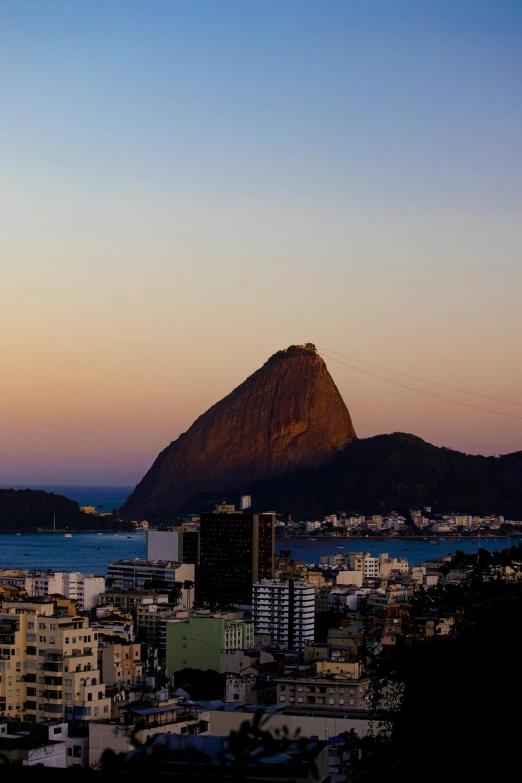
(424, 380)
(421, 391)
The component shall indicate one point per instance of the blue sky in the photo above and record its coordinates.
(342, 172)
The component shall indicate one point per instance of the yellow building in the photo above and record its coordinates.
(49, 664)
(11, 592)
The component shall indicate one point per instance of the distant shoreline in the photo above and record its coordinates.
(404, 539)
(65, 530)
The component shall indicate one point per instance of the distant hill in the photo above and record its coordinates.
(390, 472)
(30, 509)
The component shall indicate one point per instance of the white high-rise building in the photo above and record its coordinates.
(85, 589)
(82, 588)
(165, 545)
(365, 562)
(285, 610)
(245, 502)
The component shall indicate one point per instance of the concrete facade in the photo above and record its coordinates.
(285, 611)
(199, 641)
(58, 658)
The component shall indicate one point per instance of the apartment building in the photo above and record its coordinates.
(328, 692)
(130, 600)
(236, 551)
(141, 722)
(49, 664)
(136, 573)
(392, 565)
(285, 611)
(199, 640)
(176, 544)
(83, 589)
(120, 663)
(151, 622)
(109, 623)
(35, 582)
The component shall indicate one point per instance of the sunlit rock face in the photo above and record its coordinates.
(288, 414)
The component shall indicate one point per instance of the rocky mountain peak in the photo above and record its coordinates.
(286, 415)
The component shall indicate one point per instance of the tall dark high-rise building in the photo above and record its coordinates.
(236, 551)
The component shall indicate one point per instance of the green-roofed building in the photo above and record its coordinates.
(197, 643)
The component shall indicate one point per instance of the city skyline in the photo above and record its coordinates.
(188, 189)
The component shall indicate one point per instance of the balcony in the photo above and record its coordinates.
(50, 666)
(52, 655)
(55, 709)
(77, 653)
(55, 681)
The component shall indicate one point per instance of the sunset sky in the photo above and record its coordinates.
(187, 186)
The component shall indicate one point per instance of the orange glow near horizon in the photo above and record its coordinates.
(188, 190)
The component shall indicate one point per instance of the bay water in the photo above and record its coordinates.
(92, 552)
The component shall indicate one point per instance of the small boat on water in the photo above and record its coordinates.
(100, 534)
(18, 534)
(129, 536)
(68, 535)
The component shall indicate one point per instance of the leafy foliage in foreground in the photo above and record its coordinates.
(460, 693)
